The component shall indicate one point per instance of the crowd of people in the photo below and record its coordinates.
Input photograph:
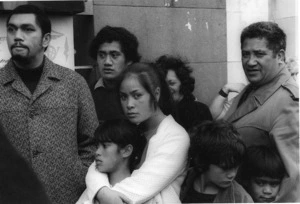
(137, 134)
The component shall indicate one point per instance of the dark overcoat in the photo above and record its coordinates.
(51, 128)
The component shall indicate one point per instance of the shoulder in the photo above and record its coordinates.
(65, 74)
(169, 130)
(292, 88)
(240, 194)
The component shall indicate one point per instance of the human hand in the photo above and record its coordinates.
(233, 87)
(108, 196)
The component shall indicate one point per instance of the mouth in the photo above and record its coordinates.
(267, 200)
(131, 115)
(108, 71)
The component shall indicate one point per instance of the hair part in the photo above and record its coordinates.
(182, 71)
(215, 142)
(122, 132)
(275, 36)
(108, 34)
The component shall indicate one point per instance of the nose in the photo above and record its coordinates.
(18, 35)
(130, 103)
(267, 189)
(108, 60)
(99, 150)
(231, 173)
(252, 61)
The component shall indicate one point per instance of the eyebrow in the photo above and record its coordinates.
(22, 25)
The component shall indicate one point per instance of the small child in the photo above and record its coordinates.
(216, 152)
(119, 150)
(262, 173)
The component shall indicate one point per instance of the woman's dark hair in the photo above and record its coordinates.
(122, 132)
(151, 78)
(215, 142)
(262, 161)
(128, 42)
(182, 71)
(274, 35)
(41, 17)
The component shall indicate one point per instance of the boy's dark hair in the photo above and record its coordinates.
(41, 17)
(215, 142)
(181, 69)
(122, 132)
(108, 34)
(274, 35)
(262, 161)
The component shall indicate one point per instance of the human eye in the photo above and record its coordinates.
(115, 55)
(101, 55)
(137, 96)
(123, 97)
(259, 182)
(245, 54)
(275, 184)
(10, 29)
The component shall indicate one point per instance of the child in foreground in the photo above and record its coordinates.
(262, 173)
(216, 152)
(119, 150)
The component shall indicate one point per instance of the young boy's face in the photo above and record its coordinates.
(220, 177)
(107, 157)
(264, 189)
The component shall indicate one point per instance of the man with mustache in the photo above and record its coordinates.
(114, 48)
(46, 110)
(266, 112)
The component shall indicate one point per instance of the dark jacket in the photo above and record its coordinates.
(51, 128)
(233, 194)
(189, 112)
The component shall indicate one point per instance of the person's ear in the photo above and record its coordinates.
(127, 151)
(46, 40)
(281, 56)
(157, 94)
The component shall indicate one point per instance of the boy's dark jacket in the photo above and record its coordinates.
(233, 194)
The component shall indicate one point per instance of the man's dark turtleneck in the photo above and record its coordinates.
(31, 77)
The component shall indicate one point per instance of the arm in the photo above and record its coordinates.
(285, 132)
(220, 104)
(160, 168)
(87, 122)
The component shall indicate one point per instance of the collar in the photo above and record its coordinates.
(10, 74)
(99, 84)
(261, 94)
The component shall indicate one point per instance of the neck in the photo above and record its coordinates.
(31, 63)
(150, 126)
(205, 186)
(119, 174)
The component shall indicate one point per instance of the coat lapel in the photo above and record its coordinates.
(10, 76)
(46, 81)
(245, 108)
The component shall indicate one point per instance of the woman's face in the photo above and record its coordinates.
(135, 100)
(174, 85)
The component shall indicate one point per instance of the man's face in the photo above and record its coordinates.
(259, 62)
(111, 60)
(24, 38)
(264, 189)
